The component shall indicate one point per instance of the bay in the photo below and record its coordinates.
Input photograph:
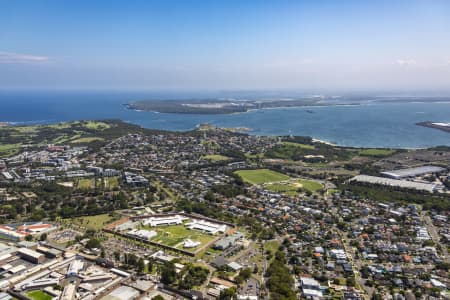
(367, 125)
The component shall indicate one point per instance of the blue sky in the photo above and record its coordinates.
(212, 44)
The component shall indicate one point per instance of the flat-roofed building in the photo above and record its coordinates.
(31, 255)
(429, 187)
(228, 241)
(311, 288)
(75, 267)
(188, 243)
(209, 227)
(122, 293)
(143, 234)
(11, 234)
(164, 220)
(412, 172)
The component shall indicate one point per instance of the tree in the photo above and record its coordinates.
(158, 297)
(29, 238)
(195, 276)
(43, 237)
(141, 265)
(228, 294)
(93, 243)
(168, 273)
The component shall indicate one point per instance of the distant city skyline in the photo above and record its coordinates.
(226, 45)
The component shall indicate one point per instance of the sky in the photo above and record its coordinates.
(226, 45)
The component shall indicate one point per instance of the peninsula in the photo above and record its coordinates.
(436, 125)
(216, 106)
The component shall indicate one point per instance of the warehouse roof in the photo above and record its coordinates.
(411, 172)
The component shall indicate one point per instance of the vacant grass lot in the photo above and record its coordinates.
(92, 222)
(260, 176)
(86, 140)
(175, 235)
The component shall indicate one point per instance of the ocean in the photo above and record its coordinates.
(369, 125)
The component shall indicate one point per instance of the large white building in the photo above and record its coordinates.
(164, 220)
(430, 187)
(209, 227)
(412, 172)
(143, 234)
(188, 243)
(75, 267)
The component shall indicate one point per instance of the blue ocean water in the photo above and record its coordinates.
(368, 125)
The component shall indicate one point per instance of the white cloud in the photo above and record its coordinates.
(11, 57)
(406, 62)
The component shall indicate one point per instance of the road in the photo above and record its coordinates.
(435, 237)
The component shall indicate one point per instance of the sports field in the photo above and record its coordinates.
(260, 176)
(174, 236)
(294, 186)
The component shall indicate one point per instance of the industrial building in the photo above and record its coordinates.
(74, 268)
(412, 172)
(429, 187)
(31, 255)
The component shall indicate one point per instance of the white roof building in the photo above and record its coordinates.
(311, 288)
(75, 267)
(165, 220)
(209, 227)
(143, 234)
(188, 243)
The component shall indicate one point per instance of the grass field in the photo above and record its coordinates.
(291, 188)
(9, 149)
(175, 235)
(92, 222)
(260, 176)
(95, 125)
(111, 182)
(216, 157)
(376, 152)
(86, 184)
(39, 295)
(310, 185)
(303, 146)
(13, 137)
(86, 140)
(271, 247)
